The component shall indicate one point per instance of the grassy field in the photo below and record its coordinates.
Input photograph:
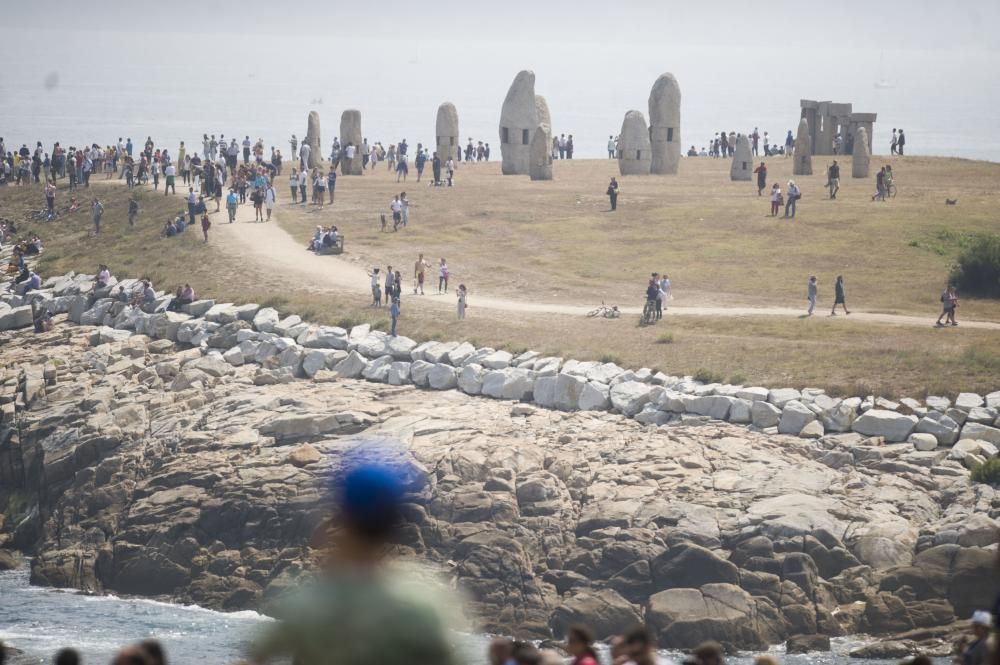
(555, 242)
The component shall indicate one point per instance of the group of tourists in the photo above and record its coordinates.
(324, 239)
(658, 294)
(387, 286)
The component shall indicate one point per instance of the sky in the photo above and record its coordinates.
(736, 25)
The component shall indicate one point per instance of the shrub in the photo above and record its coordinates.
(707, 376)
(610, 358)
(738, 380)
(665, 338)
(977, 270)
(988, 472)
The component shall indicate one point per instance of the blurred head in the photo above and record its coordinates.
(579, 642)
(765, 660)
(501, 650)
(526, 654)
(154, 651)
(981, 621)
(709, 653)
(639, 647)
(131, 656)
(369, 497)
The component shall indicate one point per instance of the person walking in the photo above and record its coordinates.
(613, 190)
(880, 187)
(133, 211)
(463, 301)
(404, 208)
(192, 201)
(443, 276)
(97, 210)
(894, 142)
(231, 201)
(838, 296)
(811, 294)
(293, 185)
(775, 199)
(949, 301)
(667, 290)
(793, 196)
(833, 179)
(900, 143)
(761, 172)
(436, 169)
(206, 224)
(419, 268)
(331, 182)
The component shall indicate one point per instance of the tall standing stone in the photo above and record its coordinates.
(518, 120)
(447, 131)
(350, 132)
(312, 138)
(803, 151)
(636, 154)
(542, 109)
(862, 156)
(665, 125)
(742, 166)
(541, 153)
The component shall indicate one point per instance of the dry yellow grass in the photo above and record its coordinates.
(554, 242)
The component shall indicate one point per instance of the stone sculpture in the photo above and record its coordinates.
(350, 132)
(665, 125)
(518, 120)
(742, 166)
(542, 109)
(541, 153)
(635, 152)
(828, 119)
(803, 151)
(312, 138)
(447, 131)
(862, 156)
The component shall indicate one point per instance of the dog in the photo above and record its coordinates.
(950, 202)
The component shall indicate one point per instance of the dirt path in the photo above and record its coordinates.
(270, 245)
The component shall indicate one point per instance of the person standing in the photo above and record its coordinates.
(450, 168)
(613, 190)
(894, 142)
(569, 147)
(789, 144)
(192, 201)
(390, 284)
(293, 184)
(133, 211)
(331, 182)
(419, 269)
(775, 199)
(667, 290)
(206, 224)
(171, 173)
(811, 294)
(247, 143)
(463, 301)
(838, 296)
(295, 146)
(611, 147)
(376, 288)
(404, 208)
(793, 197)
(833, 179)
(50, 196)
(303, 183)
(755, 142)
(436, 169)
(97, 211)
(761, 172)
(900, 143)
(419, 162)
(304, 151)
(394, 313)
(443, 276)
(879, 186)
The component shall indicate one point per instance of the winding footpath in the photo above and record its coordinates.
(270, 245)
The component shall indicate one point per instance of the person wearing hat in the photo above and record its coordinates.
(358, 610)
(977, 652)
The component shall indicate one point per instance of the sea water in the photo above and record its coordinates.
(90, 87)
(40, 621)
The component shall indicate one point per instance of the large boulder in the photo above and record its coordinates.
(891, 425)
(685, 618)
(595, 397)
(442, 377)
(794, 417)
(981, 432)
(690, 565)
(940, 426)
(567, 390)
(629, 397)
(604, 611)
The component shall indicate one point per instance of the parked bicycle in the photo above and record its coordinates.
(605, 311)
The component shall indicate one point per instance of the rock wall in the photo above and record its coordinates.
(184, 455)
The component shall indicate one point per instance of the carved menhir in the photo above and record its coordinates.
(636, 154)
(862, 157)
(828, 119)
(350, 132)
(665, 125)
(541, 153)
(518, 121)
(742, 166)
(312, 138)
(447, 131)
(803, 151)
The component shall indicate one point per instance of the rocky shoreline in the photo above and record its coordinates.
(185, 455)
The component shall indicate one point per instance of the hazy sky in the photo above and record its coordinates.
(734, 25)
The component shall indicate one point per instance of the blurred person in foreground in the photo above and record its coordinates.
(359, 611)
(638, 647)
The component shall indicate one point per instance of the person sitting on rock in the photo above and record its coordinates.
(32, 283)
(183, 296)
(102, 278)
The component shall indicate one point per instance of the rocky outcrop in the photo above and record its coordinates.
(446, 131)
(665, 125)
(635, 153)
(194, 469)
(518, 121)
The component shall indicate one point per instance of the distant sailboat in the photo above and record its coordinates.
(883, 83)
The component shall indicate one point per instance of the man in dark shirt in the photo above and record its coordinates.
(900, 143)
(833, 179)
(436, 168)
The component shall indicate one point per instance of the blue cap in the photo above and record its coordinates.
(370, 496)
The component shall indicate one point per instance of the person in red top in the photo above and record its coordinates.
(580, 645)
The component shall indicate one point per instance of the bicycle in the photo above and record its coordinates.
(648, 313)
(605, 311)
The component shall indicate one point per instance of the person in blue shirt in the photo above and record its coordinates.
(394, 312)
(128, 147)
(231, 202)
(419, 162)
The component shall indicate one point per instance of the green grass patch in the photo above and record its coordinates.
(708, 376)
(987, 473)
(665, 338)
